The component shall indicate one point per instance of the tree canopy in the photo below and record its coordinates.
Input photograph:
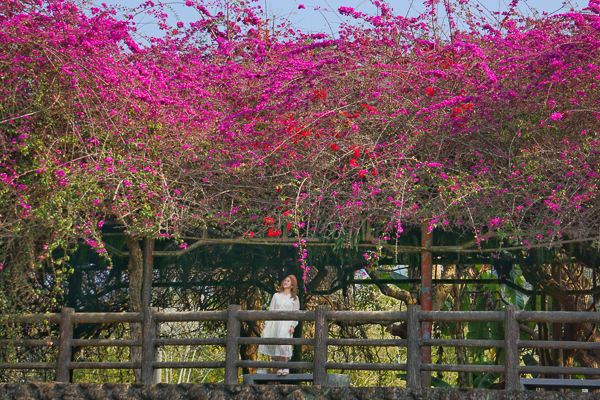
(486, 128)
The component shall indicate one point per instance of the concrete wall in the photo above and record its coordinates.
(113, 391)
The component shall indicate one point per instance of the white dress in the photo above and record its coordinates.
(279, 329)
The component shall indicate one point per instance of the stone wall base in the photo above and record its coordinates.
(124, 391)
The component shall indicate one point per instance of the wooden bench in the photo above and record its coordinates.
(294, 379)
(551, 383)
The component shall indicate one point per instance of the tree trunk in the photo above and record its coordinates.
(250, 328)
(441, 292)
(135, 270)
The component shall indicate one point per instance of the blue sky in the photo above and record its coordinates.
(322, 16)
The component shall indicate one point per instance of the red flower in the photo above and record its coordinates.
(334, 147)
(269, 221)
(374, 172)
(289, 227)
(274, 232)
(249, 234)
(429, 91)
(362, 173)
(368, 107)
(353, 163)
(319, 94)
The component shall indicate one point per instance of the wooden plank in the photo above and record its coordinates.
(462, 343)
(320, 351)
(189, 364)
(413, 350)
(186, 316)
(105, 342)
(274, 364)
(232, 350)
(462, 316)
(104, 365)
(366, 366)
(368, 342)
(495, 369)
(28, 365)
(511, 351)
(148, 350)
(29, 343)
(559, 370)
(285, 341)
(255, 315)
(105, 318)
(367, 316)
(64, 345)
(191, 342)
(565, 317)
(544, 344)
(53, 318)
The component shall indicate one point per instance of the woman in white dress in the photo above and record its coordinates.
(285, 300)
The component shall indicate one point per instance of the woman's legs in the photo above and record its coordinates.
(283, 371)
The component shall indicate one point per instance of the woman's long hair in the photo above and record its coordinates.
(294, 291)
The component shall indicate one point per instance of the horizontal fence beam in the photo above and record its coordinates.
(274, 364)
(564, 317)
(366, 366)
(189, 364)
(367, 342)
(106, 342)
(366, 316)
(106, 318)
(276, 341)
(461, 343)
(187, 316)
(275, 315)
(190, 342)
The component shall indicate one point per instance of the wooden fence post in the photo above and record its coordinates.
(511, 351)
(232, 350)
(64, 345)
(413, 350)
(320, 357)
(148, 353)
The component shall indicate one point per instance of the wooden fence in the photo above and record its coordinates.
(414, 317)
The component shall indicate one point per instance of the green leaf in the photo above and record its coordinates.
(437, 382)
(485, 381)
(530, 361)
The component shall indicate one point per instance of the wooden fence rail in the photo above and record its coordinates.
(234, 317)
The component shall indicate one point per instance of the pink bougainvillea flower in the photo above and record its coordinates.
(556, 116)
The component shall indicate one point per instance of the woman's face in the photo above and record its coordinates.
(287, 283)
